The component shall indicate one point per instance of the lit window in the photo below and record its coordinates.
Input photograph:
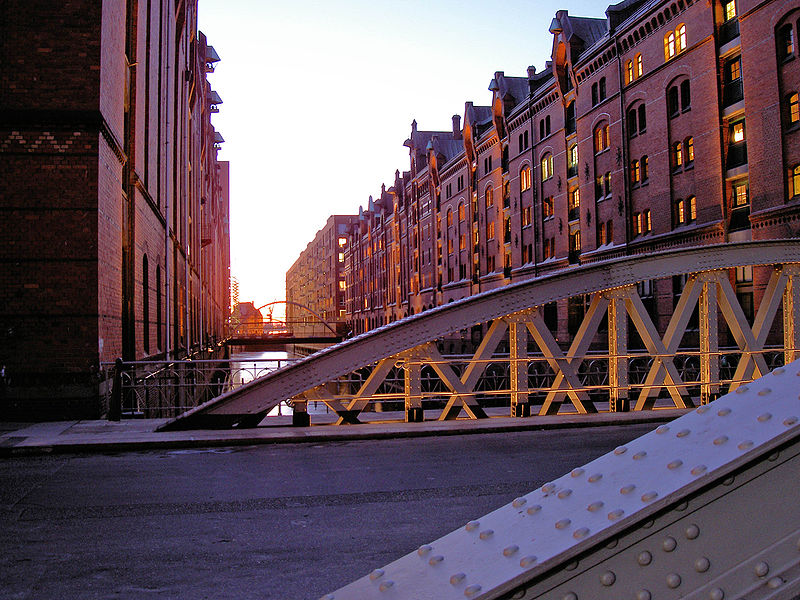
(734, 69)
(450, 246)
(681, 38)
(794, 182)
(740, 194)
(490, 230)
(786, 41)
(677, 155)
(607, 179)
(461, 212)
(637, 223)
(342, 241)
(574, 200)
(639, 66)
(526, 216)
(628, 71)
(647, 222)
(744, 274)
(691, 201)
(341, 285)
(738, 132)
(794, 108)
(689, 150)
(601, 138)
(450, 218)
(525, 179)
(680, 212)
(488, 196)
(547, 167)
(601, 234)
(462, 242)
(573, 156)
(341, 257)
(669, 45)
(675, 42)
(635, 173)
(547, 206)
(730, 10)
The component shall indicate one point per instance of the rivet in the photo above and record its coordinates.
(564, 494)
(527, 561)
(486, 534)
(669, 544)
(702, 564)
(745, 445)
(595, 478)
(572, 566)
(724, 412)
(778, 371)
(563, 523)
(376, 574)
(534, 509)
(457, 578)
(673, 580)
(775, 583)
(435, 560)
(682, 433)
(720, 440)
(595, 506)
(699, 470)
(639, 455)
(682, 506)
(649, 496)
(570, 596)
(608, 578)
(728, 481)
(472, 525)
(581, 533)
(424, 550)
(386, 585)
(472, 590)
(615, 514)
(644, 558)
(674, 464)
(762, 569)
(742, 389)
(764, 392)
(703, 409)
(549, 487)
(519, 595)
(692, 532)
(643, 595)
(511, 550)
(620, 450)
(577, 472)
(717, 593)
(627, 489)
(764, 418)
(613, 544)
(648, 524)
(789, 421)
(662, 429)
(519, 503)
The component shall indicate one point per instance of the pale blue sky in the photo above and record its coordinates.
(319, 96)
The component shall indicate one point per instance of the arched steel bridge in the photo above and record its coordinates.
(516, 310)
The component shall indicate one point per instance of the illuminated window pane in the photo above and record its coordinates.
(794, 108)
(740, 194)
(639, 68)
(635, 171)
(689, 150)
(730, 10)
(692, 202)
(681, 41)
(738, 132)
(628, 71)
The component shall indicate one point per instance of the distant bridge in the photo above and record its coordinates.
(282, 332)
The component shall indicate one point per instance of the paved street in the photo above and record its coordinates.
(287, 521)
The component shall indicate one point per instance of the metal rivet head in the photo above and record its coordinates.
(527, 561)
(534, 509)
(386, 585)
(435, 560)
(682, 433)
(510, 550)
(472, 590)
(775, 583)
(615, 514)
(519, 502)
(703, 409)
(424, 550)
(620, 450)
(692, 532)
(595, 506)
(663, 429)
(608, 578)
(581, 533)
(764, 417)
(669, 544)
(742, 389)
(472, 525)
(702, 564)
(457, 578)
(627, 489)
(595, 478)
(644, 558)
(674, 464)
(486, 534)
(720, 440)
(564, 494)
(563, 524)
(548, 488)
(649, 496)
(643, 595)
(572, 566)
(762, 569)
(745, 445)
(764, 392)
(724, 412)
(789, 421)
(570, 596)
(577, 472)
(376, 574)
(699, 470)
(639, 455)
(717, 593)
(728, 481)
(673, 580)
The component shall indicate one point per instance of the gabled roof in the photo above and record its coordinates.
(588, 29)
(617, 13)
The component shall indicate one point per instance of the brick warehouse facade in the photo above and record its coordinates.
(114, 206)
(669, 123)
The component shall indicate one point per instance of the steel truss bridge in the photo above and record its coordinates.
(516, 315)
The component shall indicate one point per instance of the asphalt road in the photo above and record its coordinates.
(282, 522)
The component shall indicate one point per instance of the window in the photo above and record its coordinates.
(794, 182)
(544, 127)
(145, 304)
(525, 179)
(669, 45)
(449, 217)
(609, 231)
(602, 89)
(677, 155)
(341, 285)
(635, 172)
(685, 211)
(689, 143)
(506, 194)
(691, 204)
(158, 306)
(598, 187)
(341, 257)
(642, 118)
(730, 10)
(461, 211)
(793, 101)
(645, 166)
(574, 202)
(523, 141)
(526, 216)
(785, 42)
(572, 161)
(637, 224)
(681, 37)
(547, 206)
(549, 248)
(686, 96)
(462, 242)
(569, 118)
(450, 246)
(628, 71)
(601, 137)
(342, 242)
(574, 245)
(633, 123)
(740, 196)
(737, 132)
(647, 222)
(673, 108)
(490, 230)
(547, 167)
(488, 196)
(639, 67)
(675, 42)
(601, 234)
(607, 181)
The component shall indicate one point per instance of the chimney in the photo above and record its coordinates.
(456, 127)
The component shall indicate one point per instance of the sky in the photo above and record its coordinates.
(318, 98)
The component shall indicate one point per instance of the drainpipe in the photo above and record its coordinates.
(626, 183)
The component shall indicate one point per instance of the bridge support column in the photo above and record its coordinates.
(413, 389)
(518, 351)
(618, 352)
(791, 314)
(709, 339)
(300, 416)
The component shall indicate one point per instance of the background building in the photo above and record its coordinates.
(114, 206)
(666, 124)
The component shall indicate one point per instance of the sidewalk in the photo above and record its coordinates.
(139, 434)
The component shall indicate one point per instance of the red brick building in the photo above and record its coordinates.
(114, 206)
(668, 123)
